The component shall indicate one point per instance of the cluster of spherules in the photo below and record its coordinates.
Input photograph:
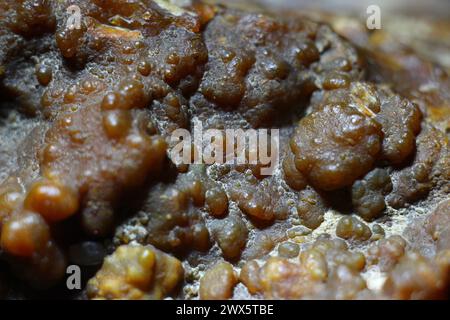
(109, 94)
(136, 272)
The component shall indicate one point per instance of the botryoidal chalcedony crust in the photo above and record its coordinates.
(101, 101)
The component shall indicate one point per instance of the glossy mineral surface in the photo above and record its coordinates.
(357, 208)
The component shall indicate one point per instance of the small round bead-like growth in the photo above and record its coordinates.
(200, 237)
(52, 200)
(24, 234)
(217, 201)
(132, 94)
(292, 176)
(368, 194)
(377, 232)
(116, 123)
(218, 282)
(144, 68)
(129, 95)
(43, 74)
(69, 42)
(249, 276)
(311, 208)
(197, 192)
(307, 53)
(49, 154)
(231, 236)
(336, 80)
(352, 228)
(110, 101)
